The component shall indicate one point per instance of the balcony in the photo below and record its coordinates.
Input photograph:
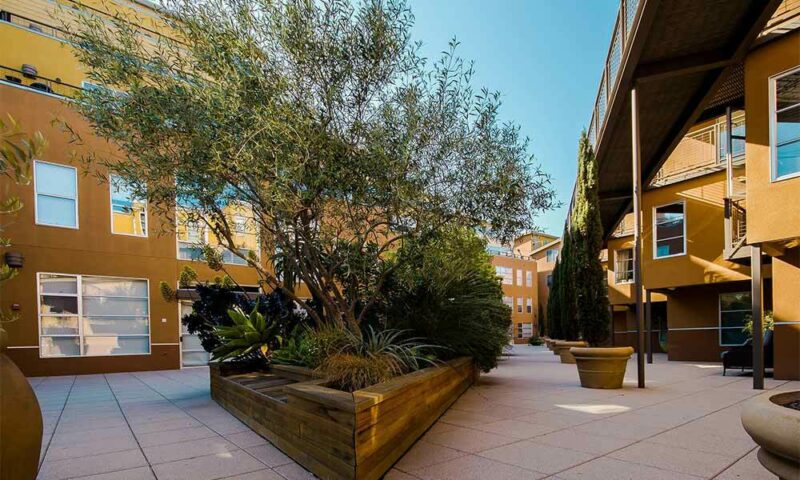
(28, 79)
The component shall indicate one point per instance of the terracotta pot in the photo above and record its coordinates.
(561, 348)
(776, 429)
(601, 367)
(20, 423)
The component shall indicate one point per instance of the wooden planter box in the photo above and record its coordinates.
(335, 434)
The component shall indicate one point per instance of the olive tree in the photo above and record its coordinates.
(320, 117)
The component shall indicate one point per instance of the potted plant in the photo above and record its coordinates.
(773, 421)
(598, 367)
(20, 416)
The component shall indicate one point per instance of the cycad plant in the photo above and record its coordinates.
(251, 335)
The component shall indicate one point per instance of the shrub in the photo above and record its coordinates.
(767, 324)
(252, 335)
(215, 299)
(535, 340)
(308, 347)
(371, 357)
(350, 372)
(448, 293)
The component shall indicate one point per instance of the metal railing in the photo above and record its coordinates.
(33, 25)
(738, 222)
(12, 76)
(701, 151)
(626, 16)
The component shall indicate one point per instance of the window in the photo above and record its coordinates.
(670, 231)
(519, 304)
(92, 316)
(128, 213)
(509, 301)
(785, 125)
(734, 311)
(524, 330)
(56, 194)
(192, 235)
(519, 278)
(552, 255)
(528, 278)
(623, 269)
(506, 273)
(738, 143)
(529, 305)
(550, 280)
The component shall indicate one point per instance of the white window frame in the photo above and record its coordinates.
(655, 230)
(508, 301)
(111, 211)
(528, 278)
(617, 280)
(773, 125)
(36, 197)
(520, 327)
(507, 277)
(518, 274)
(720, 328)
(79, 286)
(519, 305)
(528, 305)
(547, 254)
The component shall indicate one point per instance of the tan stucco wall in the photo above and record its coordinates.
(773, 212)
(521, 291)
(786, 311)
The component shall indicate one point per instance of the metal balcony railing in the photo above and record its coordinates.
(12, 76)
(702, 151)
(626, 17)
(737, 213)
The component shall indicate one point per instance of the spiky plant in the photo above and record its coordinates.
(250, 335)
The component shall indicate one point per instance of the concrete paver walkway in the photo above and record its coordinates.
(528, 419)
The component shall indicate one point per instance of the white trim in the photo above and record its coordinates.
(80, 316)
(21, 347)
(36, 197)
(27, 29)
(655, 230)
(788, 322)
(773, 126)
(616, 254)
(692, 328)
(111, 211)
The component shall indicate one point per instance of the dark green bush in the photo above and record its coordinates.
(535, 340)
(448, 294)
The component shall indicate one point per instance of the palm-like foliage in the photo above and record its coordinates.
(250, 335)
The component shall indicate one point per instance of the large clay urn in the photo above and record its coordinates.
(776, 428)
(601, 367)
(20, 421)
(561, 348)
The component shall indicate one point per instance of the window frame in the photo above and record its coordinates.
(520, 307)
(504, 276)
(773, 126)
(518, 274)
(655, 230)
(36, 197)
(111, 211)
(79, 286)
(617, 280)
(221, 249)
(720, 328)
(528, 278)
(529, 305)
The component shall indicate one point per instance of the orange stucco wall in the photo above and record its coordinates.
(520, 291)
(786, 311)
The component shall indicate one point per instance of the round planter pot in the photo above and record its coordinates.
(601, 367)
(776, 429)
(20, 424)
(562, 350)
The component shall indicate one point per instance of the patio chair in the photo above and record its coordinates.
(742, 356)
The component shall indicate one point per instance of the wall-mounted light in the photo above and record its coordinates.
(14, 259)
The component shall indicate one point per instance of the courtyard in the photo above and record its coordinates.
(529, 418)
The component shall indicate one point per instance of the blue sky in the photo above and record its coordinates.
(545, 56)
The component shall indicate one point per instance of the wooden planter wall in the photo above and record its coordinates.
(335, 434)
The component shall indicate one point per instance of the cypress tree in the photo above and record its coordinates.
(590, 287)
(567, 283)
(554, 305)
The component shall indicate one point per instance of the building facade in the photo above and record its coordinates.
(719, 191)
(87, 297)
(518, 277)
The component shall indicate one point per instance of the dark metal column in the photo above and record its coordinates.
(637, 235)
(758, 332)
(648, 310)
